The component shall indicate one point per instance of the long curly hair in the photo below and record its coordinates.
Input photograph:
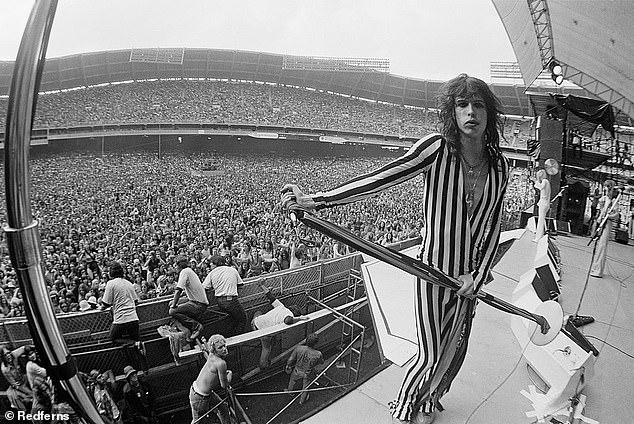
(466, 87)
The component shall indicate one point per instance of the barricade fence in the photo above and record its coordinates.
(87, 334)
(94, 326)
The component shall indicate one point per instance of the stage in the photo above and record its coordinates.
(488, 388)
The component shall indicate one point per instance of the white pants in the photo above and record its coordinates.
(540, 230)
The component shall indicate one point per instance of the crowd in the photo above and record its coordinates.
(520, 196)
(31, 390)
(144, 212)
(237, 103)
(149, 213)
(224, 102)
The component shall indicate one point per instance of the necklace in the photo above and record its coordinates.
(468, 165)
(471, 182)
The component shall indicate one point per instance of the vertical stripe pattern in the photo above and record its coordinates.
(454, 243)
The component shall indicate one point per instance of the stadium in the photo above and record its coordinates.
(173, 151)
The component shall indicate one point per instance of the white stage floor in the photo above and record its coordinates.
(487, 389)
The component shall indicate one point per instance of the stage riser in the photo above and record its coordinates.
(564, 365)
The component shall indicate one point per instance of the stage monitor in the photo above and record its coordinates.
(565, 365)
(544, 284)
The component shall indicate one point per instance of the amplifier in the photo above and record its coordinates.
(620, 236)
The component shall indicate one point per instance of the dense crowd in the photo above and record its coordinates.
(31, 390)
(144, 211)
(236, 103)
(520, 196)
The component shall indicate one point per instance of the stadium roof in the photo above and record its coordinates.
(123, 65)
(591, 40)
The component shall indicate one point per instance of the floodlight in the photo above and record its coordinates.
(556, 72)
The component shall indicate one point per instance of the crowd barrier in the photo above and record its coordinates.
(94, 326)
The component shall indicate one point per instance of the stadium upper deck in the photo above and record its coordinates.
(96, 68)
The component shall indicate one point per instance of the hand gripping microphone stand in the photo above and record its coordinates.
(548, 330)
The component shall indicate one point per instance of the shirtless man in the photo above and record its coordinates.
(214, 374)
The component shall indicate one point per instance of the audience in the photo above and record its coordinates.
(145, 213)
(237, 103)
(126, 208)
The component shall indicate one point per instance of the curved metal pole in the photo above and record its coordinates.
(23, 238)
(407, 264)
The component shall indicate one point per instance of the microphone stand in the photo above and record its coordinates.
(576, 319)
(559, 194)
(407, 264)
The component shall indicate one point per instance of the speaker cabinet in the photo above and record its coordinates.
(573, 206)
(545, 285)
(620, 236)
(550, 134)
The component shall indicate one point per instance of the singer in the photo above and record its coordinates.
(543, 205)
(465, 181)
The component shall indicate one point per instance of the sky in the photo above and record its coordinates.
(426, 39)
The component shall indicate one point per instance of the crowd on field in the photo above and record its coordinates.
(144, 211)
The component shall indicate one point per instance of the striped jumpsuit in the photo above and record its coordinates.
(454, 243)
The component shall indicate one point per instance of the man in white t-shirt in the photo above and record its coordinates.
(189, 313)
(278, 315)
(224, 281)
(121, 296)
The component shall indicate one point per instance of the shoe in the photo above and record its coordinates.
(424, 418)
(196, 332)
(581, 320)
